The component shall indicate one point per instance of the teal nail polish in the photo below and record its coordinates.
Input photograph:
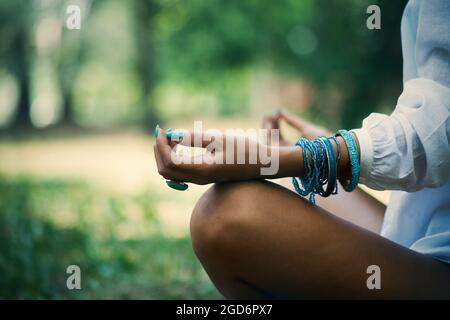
(157, 130)
(174, 135)
(180, 186)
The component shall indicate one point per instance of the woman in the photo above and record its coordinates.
(257, 239)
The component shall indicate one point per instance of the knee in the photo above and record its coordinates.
(221, 215)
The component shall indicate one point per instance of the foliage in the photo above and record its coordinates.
(47, 226)
(108, 72)
(325, 41)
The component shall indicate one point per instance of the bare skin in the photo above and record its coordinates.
(257, 239)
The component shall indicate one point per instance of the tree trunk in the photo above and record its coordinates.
(22, 72)
(23, 116)
(145, 67)
(67, 108)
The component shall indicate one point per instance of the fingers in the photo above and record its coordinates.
(195, 171)
(306, 128)
(292, 120)
(196, 139)
(270, 122)
(163, 154)
(179, 168)
(167, 167)
(162, 144)
(159, 162)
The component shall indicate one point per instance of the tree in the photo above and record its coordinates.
(145, 12)
(16, 19)
(326, 42)
(68, 64)
(71, 56)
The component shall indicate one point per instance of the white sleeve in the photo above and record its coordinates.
(409, 149)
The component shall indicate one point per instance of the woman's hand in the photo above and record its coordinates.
(215, 164)
(305, 128)
(248, 159)
(245, 159)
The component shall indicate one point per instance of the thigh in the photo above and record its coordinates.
(357, 207)
(277, 242)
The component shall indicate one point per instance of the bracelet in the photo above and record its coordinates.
(338, 148)
(307, 180)
(316, 169)
(338, 158)
(320, 166)
(354, 160)
(331, 172)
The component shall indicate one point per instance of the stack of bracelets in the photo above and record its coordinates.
(321, 165)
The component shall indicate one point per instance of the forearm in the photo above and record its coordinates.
(291, 161)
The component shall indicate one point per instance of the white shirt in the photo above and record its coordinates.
(409, 150)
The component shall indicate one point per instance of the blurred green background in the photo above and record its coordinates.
(78, 183)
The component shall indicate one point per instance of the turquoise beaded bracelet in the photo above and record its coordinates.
(354, 160)
(331, 162)
(319, 169)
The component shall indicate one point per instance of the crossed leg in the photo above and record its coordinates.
(257, 239)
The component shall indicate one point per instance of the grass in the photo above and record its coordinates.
(116, 239)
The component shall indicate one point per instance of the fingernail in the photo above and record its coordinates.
(157, 130)
(180, 186)
(176, 136)
(169, 133)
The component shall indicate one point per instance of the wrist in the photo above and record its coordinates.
(291, 162)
